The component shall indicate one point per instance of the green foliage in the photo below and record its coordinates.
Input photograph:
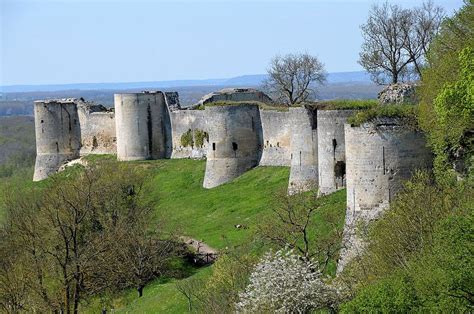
(406, 112)
(446, 113)
(229, 277)
(187, 139)
(77, 236)
(394, 294)
(346, 104)
(451, 138)
(200, 136)
(421, 249)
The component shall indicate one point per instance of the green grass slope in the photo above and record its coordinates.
(210, 215)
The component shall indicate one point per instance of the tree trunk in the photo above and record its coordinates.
(140, 291)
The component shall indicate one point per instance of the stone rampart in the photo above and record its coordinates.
(97, 125)
(276, 138)
(331, 149)
(189, 123)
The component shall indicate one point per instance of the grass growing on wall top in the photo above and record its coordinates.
(346, 104)
(406, 112)
(261, 105)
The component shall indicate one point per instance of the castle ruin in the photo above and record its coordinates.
(322, 150)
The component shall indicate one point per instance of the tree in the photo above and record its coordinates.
(79, 237)
(396, 40)
(284, 283)
(293, 77)
(446, 93)
(420, 32)
(293, 225)
(383, 52)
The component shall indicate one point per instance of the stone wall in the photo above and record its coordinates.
(97, 130)
(193, 121)
(303, 151)
(235, 142)
(276, 138)
(380, 156)
(331, 149)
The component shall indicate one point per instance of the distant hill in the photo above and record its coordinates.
(244, 80)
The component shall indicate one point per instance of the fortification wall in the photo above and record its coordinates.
(142, 126)
(304, 150)
(58, 135)
(380, 156)
(194, 122)
(331, 149)
(97, 130)
(235, 142)
(276, 138)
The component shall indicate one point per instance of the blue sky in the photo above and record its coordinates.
(81, 41)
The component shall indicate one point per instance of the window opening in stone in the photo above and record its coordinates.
(234, 146)
(340, 169)
(213, 146)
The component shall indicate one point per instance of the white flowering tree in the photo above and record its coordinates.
(282, 282)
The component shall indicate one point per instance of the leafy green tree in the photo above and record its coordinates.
(447, 112)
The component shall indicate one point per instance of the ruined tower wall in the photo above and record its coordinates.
(97, 132)
(235, 142)
(184, 121)
(141, 125)
(58, 136)
(276, 138)
(304, 150)
(331, 149)
(380, 156)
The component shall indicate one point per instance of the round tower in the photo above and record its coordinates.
(304, 150)
(58, 135)
(331, 149)
(235, 142)
(380, 156)
(140, 120)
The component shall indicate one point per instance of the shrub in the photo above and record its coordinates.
(187, 139)
(200, 136)
(392, 294)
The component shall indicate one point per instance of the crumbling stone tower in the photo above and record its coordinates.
(142, 126)
(380, 155)
(58, 135)
(235, 142)
(304, 150)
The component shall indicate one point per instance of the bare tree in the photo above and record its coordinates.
(293, 226)
(383, 52)
(293, 77)
(396, 40)
(424, 25)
